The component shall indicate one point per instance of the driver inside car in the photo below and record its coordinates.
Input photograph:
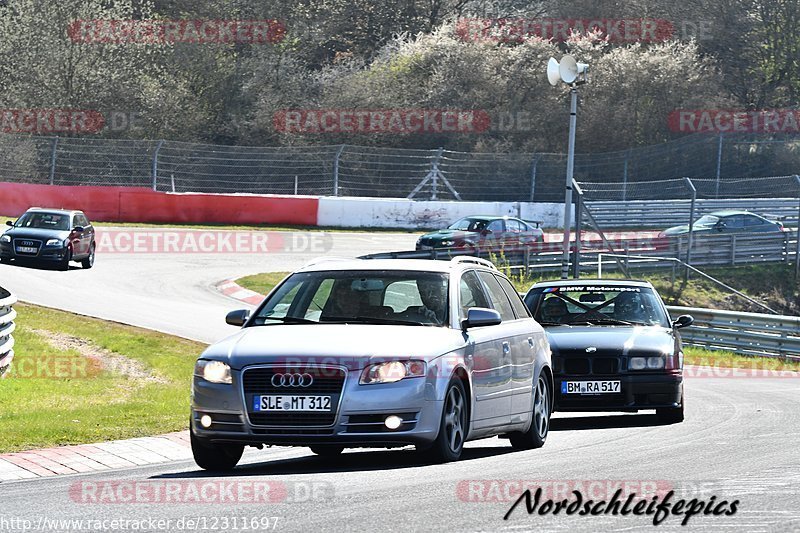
(554, 309)
(629, 307)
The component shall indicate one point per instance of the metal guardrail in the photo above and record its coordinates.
(661, 214)
(7, 326)
(743, 333)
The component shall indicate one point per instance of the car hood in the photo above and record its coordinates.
(680, 230)
(36, 233)
(451, 234)
(611, 339)
(352, 345)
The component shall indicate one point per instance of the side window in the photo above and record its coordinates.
(83, 220)
(734, 222)
(516, 302)
(495, 226)
(498, 297)
(471, 293)
(76, 221)
(752, 221)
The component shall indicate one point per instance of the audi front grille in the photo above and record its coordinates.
(29, 243)
(327, 381)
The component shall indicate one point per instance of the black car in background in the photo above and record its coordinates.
(614, 347)
(483, 234)
(55, 236)
(727, 221)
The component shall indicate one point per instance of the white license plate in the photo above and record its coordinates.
(26, 249)
(291, 403)
(590, 387)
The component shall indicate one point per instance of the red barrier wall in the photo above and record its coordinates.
(136, 204)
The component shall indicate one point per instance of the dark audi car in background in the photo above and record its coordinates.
(55, 236)
(483, 234)
(613, 345)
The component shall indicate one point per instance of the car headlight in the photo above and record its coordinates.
(54, 242)
(448, 243)
(650, 363)
(213, 371)
(392, 371)
(5, 238)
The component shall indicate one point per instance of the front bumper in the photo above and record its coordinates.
(45, 253)
(358, 420)
(637, 391)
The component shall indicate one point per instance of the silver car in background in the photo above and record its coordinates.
(376, 353)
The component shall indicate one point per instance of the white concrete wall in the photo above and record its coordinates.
(403, 213)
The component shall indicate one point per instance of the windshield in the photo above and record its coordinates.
(469, 224)
(597, 305)
(367, 297)
(707, 220)
(56, 221)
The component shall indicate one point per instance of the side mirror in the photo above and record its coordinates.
(683, 321)
(719, 226)
(480, 316)
(78, 229)
(238, 317)
(9, 223)
(486, 232)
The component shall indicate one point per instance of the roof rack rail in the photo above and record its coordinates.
(475, 260)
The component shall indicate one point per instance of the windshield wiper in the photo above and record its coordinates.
(288, 320)
(545, 323)
(610, 321)
(374, 319)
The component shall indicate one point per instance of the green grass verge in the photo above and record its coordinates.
(40, 410)
(262, 283)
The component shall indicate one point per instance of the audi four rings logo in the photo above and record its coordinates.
(292, 380)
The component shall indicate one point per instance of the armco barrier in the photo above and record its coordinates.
(129, 204)
(7, 316)
(743, 333)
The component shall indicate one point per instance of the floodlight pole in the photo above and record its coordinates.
(573, 115)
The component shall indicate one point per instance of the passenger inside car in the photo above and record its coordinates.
(629, 307)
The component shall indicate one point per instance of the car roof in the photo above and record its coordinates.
(423, 265)
(594, 282)
(489, 217)
(730, 212)
(54, 210)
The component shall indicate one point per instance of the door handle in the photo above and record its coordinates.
(506, 347)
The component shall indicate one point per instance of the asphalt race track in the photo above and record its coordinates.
(740, 440)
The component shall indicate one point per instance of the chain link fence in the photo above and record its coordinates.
(721, 166)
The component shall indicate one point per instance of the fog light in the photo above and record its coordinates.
(393, 422)
(205, 421)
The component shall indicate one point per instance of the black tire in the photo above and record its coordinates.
(64, 263)
(215, 457)
(536, 435)
(449, 442)
(324, 450)
(89, 261)
(671, 415)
